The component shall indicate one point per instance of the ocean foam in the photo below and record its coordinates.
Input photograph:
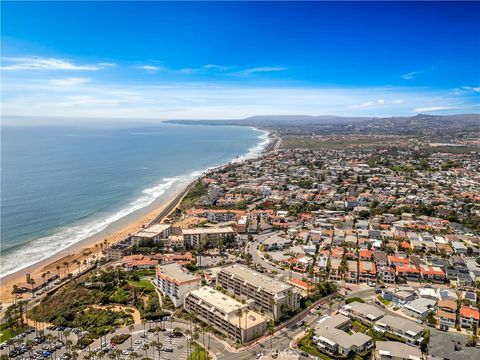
(42, 248)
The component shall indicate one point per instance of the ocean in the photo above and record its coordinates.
(60, 185)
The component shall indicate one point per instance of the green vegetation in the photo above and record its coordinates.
(359, 327)
(146, 284)
(13, 324)
(353, 299)
(383, 301)
(81, 303)
(198, 353)
(9, 333)
(312, 143)
(120, 339)
(194, 195)
(306, 344)
(425, 341)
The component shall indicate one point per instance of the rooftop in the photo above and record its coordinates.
(396, 349)
(176, 273)
(257, 279)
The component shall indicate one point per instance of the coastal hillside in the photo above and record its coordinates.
(419, 124)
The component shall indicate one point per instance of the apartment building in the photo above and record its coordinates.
(175, 281)
(269, 295)
(408, 330)
(363, 312)
(332, 338)
(227, 315)
(157, 232)
(208, 236)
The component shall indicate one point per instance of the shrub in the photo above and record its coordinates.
(120, 339)
(353, 299)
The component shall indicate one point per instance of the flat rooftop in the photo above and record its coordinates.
(153, 230)
(256, 279)
(396, 349)
(209, 230)
(177, 273)
(400, 323)
(328, 330)
(219, 302)
(369, 311)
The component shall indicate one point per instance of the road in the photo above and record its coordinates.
(253, 249)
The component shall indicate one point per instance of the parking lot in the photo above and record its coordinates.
(53, 344)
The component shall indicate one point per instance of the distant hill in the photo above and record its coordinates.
(420, 124)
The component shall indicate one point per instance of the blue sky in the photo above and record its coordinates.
(222, 60)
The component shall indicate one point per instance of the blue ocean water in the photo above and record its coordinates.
(62, 184)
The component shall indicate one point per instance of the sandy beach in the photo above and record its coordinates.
(114, 233)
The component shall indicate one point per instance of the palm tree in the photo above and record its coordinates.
(58, 267)
(65, 265)
(146, 347)
(273, 303)
(239, 313)
(271, 331)
(44, 275)
(131, 327)
(330, 304)
(210, 331)
(133, 355)
(187, 334)
(78, 263)
(48, 276)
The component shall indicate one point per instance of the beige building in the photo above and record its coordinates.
(157, 232)
(226, 314)
(174, 281)
(269, 296)
(206, 236)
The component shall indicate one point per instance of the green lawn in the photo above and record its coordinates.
(9, 333)
(383, 301)
(359, 327)
(143, 284)
(199, 353)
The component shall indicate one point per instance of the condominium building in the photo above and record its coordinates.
(408, 330)
(332, 337)
(207, 237)
(271, 296)
(226, 314)
(394, 350)
(361, 311)
(174, 281)
(157, 232)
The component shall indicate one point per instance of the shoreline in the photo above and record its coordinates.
(119, 229)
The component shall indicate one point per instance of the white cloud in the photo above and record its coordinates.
(263, 69)
(466, 90)
(375, 103)
(434, 108)
(215, 100)
(410, 75)
(41, 63)
(217, 67)
(71, 81)
(151, 68)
